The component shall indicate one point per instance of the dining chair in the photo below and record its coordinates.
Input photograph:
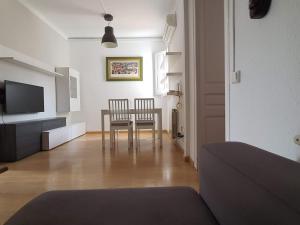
(120, 119)
(144, 117)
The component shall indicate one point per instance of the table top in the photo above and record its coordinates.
(133, 111)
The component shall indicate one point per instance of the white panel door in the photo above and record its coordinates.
(210, 71)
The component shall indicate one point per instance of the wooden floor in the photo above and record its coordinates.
(83, 164)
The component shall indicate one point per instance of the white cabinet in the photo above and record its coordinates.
(67, 90)
(53, 138)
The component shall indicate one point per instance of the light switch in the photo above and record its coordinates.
(236, 77)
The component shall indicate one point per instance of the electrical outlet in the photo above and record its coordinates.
(297, 140)
(236, 77)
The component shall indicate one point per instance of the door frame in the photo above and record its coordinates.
(191, 76)
(192, 71)
(229, 14)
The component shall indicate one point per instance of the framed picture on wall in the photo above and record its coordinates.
(124, 68)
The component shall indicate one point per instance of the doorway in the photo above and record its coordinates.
(206, 35)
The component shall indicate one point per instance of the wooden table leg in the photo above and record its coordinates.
(103, 129)
(160, 128)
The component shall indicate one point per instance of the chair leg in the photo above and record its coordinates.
(111, 138)
(139, 138)
(136, 137)
(116, 139)
(129, 138)
(153, 135)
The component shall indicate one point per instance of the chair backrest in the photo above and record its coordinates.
(144, 109)
(119, 110)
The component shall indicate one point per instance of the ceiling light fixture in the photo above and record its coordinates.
(109, 40)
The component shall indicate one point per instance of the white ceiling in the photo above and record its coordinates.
(84, 18)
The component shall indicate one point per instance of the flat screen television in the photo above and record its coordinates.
(22, 98)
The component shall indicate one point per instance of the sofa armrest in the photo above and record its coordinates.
(244, 185)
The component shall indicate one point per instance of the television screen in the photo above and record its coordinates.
(23, 98)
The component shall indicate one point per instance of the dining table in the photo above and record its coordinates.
(156, 111)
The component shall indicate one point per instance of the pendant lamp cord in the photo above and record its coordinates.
(102, 6)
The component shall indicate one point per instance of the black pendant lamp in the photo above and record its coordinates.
(109, 40)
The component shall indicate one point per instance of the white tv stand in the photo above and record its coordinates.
(53, 138)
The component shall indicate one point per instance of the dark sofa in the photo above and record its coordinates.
(239, 185)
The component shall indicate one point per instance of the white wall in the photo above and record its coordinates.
(89, 57)
(265, 106)
(26, 33)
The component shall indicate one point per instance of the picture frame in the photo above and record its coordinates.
(124, 68)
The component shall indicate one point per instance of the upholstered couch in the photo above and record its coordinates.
(239, 185)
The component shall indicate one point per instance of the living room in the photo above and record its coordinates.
(149, 112)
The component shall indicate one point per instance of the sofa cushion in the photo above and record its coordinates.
(246, 185)
(149, 206)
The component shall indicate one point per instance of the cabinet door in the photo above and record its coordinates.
(28, 139)
(62, 91)
(74, 90)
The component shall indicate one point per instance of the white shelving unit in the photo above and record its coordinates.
(170, 66)
(19, 59)
(167, 69)
(170, 63)
(30, 66)
(67, 90)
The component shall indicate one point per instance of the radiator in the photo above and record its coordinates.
(174, 123)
